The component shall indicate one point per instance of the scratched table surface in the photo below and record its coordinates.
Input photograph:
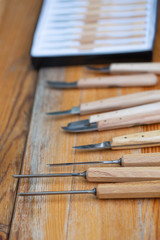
(29, 140)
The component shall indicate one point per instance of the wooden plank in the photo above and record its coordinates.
(54, 146)
(17, 86)
(76, 217)
(73, 217)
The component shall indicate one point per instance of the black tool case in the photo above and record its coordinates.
(84, 32)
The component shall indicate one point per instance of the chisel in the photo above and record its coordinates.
(135, 116)
(127, 160)
(137, 80)
(113, 103)
(135, 140)
(107, 174)
(128, 190)
(129, 67)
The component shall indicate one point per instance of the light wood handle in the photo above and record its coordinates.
(141, 160)
(135, 67)
(131, 121)
(137, 140)
(126, 174)
(151, 108)
(129, 190)
(120, 102)
(119, 81)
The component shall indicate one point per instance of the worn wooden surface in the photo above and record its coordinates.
(58, 217)
(17, 86)
(75, 217)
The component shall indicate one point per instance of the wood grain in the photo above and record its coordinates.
(141, 160)
(143, 138)
(17, 86)
(124, 174)
(136, 67)
(77, 217)
(129, 121)
(129, 190)
(138, 80)
(120, 102)
(73, 217)
(118, 114)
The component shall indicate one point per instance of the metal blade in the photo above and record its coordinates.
(93, 191)
(74, 110)
(82, 174)
(80, 123)
(61, 84)
(85, 128)
(103, 145)
(103, 69)
(84, 163)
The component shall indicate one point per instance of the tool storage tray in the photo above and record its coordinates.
(86, 31)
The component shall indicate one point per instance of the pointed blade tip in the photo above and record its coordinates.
(67, 129)
(80, 147)
(75, 147)
(103, 145)
(57, 113)
(61, 85)
(21, 194)
(48, 113)
(64, 128)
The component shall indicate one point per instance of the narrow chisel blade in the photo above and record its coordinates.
(61, 85)
(84, 163)
(85, 128)
(103, 145)
(74, 110)
(80, 123)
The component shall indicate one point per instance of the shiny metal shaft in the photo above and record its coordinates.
(103, 145)
(74, 110)
(82, 174)
(84, 163)
(62, 85)
(93, 191)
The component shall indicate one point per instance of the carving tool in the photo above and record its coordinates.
(136, 140)
(135, 116)
(113, 191)
(113, 103)
(129, 67)
(127, 160)
(107, 174)
(136, 80)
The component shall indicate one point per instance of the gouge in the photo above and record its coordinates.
(129, 190)
(138, 80)
(129, 67)
(136, 140)
(139, 115)
(128, 160)
(107, 174)
(114, 103)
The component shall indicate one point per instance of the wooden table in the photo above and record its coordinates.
(29, 140)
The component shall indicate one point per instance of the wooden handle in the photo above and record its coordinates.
(131, 121)
(136, 140)
(129, 190)
(141, 160)
(120, 102)
(135, 67)
(119, 81)
(153, 108)
(126, 174)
